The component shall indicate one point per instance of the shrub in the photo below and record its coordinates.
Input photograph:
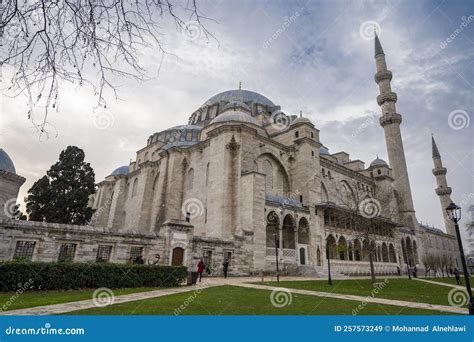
(65, 276)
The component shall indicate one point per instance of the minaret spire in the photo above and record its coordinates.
(390, 121)
(443, 190)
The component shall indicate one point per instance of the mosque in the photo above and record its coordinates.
(247, 183)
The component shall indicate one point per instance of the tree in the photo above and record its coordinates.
(62, 195)
(52, 41)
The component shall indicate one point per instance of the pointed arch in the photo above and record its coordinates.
(391, 253)
(348, 196)
(324, 193)
(385, 257)
(342, 248)
(303, 231)
(190, 179)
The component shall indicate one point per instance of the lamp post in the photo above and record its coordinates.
(454, 214)
(276, 257)
(329, 264)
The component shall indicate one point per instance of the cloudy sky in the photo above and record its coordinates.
(314, 56)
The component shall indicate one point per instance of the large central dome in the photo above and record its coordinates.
(240, 96)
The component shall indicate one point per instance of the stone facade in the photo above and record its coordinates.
(244, 182)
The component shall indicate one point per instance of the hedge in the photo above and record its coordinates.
(65, 276)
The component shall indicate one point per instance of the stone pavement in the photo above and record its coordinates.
(234, 281)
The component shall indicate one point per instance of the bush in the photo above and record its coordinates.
(65, 276)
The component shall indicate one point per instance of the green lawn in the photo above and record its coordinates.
(39, 298)
(395, 288)
(233, 300)
(451, 280)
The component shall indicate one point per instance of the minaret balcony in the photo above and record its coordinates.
(392, 118)
(387, 97)
(383, 75)
(440, 171)
(443, 191)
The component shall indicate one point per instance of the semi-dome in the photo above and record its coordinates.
(234, 115)
(378, 162)
(240, 96)
(324, 151)
(6, 163)
(301, 120)
(122, 170)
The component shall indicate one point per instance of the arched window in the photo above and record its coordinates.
(330, 247)
(268, 172)
(207, 173)
(324, 193)
(190, 179)
(134, 187)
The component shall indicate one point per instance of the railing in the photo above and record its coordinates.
(284, 253)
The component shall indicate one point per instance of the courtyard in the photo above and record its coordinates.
(251, 296)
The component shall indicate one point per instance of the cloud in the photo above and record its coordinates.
(319, 64)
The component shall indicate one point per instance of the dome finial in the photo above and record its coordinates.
(301, 113)
(240, 85)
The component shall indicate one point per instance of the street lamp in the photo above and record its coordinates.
(328, 256)
(276, 257)
(454, 214)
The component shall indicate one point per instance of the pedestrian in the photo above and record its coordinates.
(200, 268)
(398, 270)
(208, 269)
(456, 274)
(225, 267)
(415, 272)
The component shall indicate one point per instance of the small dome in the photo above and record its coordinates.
(234, 105)
(301, 120)
(234, 115)
(378, 162)
(324, 151)
(122, 170)
(6, 163)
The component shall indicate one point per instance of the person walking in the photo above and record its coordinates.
(200, 268)
(225, 267)
(456, 274)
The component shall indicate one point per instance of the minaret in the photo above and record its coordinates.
(390, 121)
(443, 190)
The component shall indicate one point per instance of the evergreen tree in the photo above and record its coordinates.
(62, 195)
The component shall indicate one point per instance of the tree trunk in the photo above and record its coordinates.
(372, 272)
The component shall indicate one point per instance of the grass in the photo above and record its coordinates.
(9, 300)
(395, 288)
(233, 300)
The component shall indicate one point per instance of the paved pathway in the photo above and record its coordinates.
(237, 281)
(440, 283)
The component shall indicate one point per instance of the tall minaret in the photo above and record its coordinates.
(443, 190)
(390, 121)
